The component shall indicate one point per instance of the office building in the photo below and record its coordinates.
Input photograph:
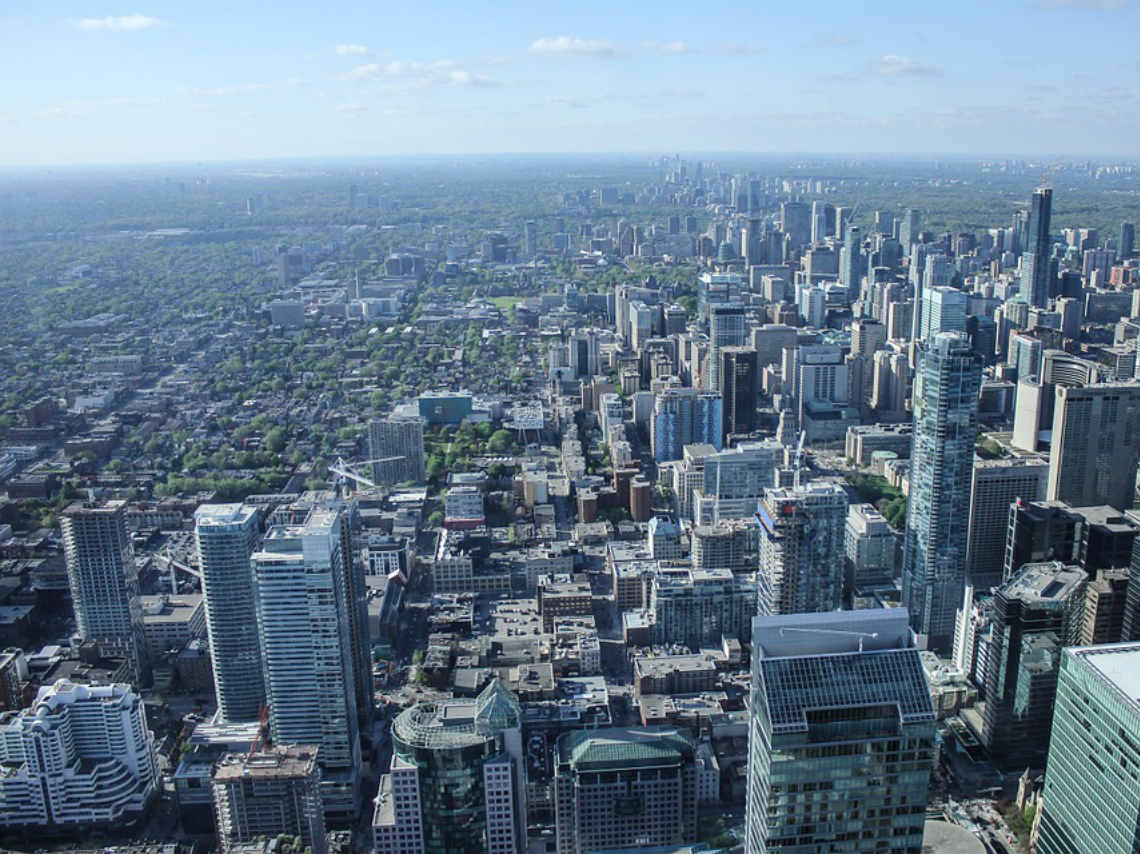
(1035, 260)
(585, 354)
(300, 599)
(1091, 537)
(461, 762)
(620, 788)
(1096, 445)
(1035, 613)
(226, 535)
(396, 447)
(947, 383)
(1091, 800)
(841, 735)
(943, 310)
(1036, 400)
(685, 416)
(739, 375)
(802, 549)
(697, 608)
(268, 793)
(795, 222)
(79, 756)
(727, 328)
(103, 578)
(994, 485)
(1105, 600)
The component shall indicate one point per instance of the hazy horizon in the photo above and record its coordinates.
(157, 84)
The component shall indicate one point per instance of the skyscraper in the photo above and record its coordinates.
(1127, 241)
(947, 382)
(795, 222)
(841, 736)
(1091, 801)
(726, 329)
(302, 626)
(943, 310)
(103, 578)
(994, 484)
(1096, 444)
(739, 376)
(685, 416)
(1036, 613)
(908, 229)
(226, 535)
(802, 549)
(850, 262)
(1036, 283)
(397, 437)
(461, 763)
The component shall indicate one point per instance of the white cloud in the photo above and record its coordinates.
(892, 65)
(351, 50)
(350, 108)
(419, 74)
(668, 47)
(118, 23)
(573, 46)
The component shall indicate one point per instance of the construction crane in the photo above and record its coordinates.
(785, 629)
(798, 460)
(343, 472)
(262, 739)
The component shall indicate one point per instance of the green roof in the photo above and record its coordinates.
(620, 747)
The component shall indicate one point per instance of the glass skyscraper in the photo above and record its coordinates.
(1035, 279)
(1091, 800)
(841, 736)
(947, 382)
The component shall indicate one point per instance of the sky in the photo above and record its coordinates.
(149, 81)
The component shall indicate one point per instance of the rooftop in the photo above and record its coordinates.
(277, 763)
(1044, 582)
(622, 747)
(1118, 664)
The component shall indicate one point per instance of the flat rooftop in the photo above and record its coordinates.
(1118, 664)
(1044, 582)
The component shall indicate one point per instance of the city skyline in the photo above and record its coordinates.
(159, 84)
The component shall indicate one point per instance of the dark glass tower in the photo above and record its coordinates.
(1035, 281)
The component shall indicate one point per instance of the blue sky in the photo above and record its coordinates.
(89, 82)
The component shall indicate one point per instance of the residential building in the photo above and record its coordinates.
(1105, 598)
(841, 734)
(226, 535)
(79, 756)
(685, 416)
(697, 608)
(734, 480)
(871, 547)
(947, 383)
(1091, 800)
(396, 447)
(620, 788)
(103, 578)
(801, 549)
(301, 605)
(267, 793)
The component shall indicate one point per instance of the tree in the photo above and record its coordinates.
(275, 440)
(500, 442)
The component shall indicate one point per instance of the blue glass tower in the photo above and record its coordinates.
(947, 382)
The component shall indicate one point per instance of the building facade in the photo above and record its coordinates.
(801, 548)
(1091, 800)
(947, 384)
(841, 737)
(226, 535)
(303, 633)
(80, 755)
(618, 788)
(103, 578)
(401, 438)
